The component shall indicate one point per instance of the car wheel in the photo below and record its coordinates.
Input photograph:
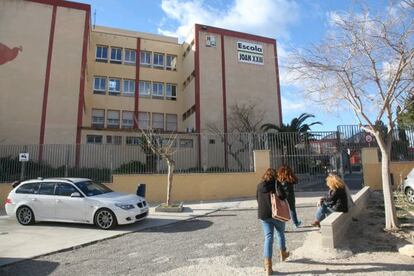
(409, 193)
(105, 219)
(25, 215)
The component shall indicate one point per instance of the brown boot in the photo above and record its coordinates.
(284, 255)
(268, 266)
(316, 224)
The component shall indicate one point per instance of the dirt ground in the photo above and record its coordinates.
(370, 251)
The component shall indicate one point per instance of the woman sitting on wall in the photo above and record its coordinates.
(336, 201)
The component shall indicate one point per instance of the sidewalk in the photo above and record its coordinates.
(24, 242)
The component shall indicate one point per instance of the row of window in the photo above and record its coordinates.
(128, 56)
(133, 140)
(47, 188)
(112, 86)
(125, 119)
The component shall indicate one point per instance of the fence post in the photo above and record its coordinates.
(23, 166)
(67, 160)
(341, 161)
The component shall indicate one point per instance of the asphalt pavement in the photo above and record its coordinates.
(234, 232)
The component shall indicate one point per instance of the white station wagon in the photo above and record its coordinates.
(78, 200)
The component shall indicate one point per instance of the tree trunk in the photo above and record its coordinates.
(390, 213)
(171, 166)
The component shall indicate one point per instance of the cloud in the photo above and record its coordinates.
(269, 18)
(292, 106)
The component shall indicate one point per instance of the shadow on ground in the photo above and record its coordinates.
(28, 267)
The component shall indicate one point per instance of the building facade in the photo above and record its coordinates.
(64, 81)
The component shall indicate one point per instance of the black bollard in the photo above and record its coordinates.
(141, 190)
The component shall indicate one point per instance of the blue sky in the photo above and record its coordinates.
(292, 23)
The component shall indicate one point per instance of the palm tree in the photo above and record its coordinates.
(290, 135)
(297, 125)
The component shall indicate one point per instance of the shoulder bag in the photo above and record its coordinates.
(280, 208)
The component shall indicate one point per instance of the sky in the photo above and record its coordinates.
(294, 24)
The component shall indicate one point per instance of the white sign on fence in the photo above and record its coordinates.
(24, 157)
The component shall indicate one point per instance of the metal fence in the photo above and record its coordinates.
(312, 155)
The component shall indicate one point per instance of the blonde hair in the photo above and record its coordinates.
(269, 175)
(285, 173)
(334, 182)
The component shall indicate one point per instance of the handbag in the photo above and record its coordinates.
(280, 208)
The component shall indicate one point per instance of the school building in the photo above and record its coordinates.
(65, 81)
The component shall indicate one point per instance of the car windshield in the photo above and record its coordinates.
(90, 188)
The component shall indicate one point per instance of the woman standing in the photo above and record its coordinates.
(288, 179)
(264, 189)
(336, 201)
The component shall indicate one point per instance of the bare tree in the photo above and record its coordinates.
(366, 62)
(164, 146)
(244, 120)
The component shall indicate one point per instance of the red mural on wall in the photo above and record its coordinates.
(8, 54)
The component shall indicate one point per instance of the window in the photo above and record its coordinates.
(94, 139)
(116, 55)
(171, 91)
(186, 143)
(143, 120)
(30, 188)
(158, 121)
(127, 119)
(114, 87)
(130, 56)
(129, 88)
(116, 140)
(47, 188)
(166, 142)
(212, 141)
(65, 189)
(145, 58)
(98, 118)
(158, 60)
(113, 119)
(171, 122)
(101, 53)
(144, 88)
(158, 89)
(99, 85)
(133, 140)
(210, 41)
(171, 63)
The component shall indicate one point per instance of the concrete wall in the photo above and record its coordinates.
(5, 189)
(335, 226)
(195, 187)
(372, 169)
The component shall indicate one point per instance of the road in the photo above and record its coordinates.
(234, 233)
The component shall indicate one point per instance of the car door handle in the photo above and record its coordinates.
(58, 200)
(34, 199)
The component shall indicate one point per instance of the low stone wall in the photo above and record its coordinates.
(5, 189)
(372, 169)
(334, 227)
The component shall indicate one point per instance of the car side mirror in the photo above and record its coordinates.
(75, 194)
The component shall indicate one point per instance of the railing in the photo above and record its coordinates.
(309, 154)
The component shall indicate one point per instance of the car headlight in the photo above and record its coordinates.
(124, 206)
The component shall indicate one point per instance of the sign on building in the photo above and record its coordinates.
(250, 52)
